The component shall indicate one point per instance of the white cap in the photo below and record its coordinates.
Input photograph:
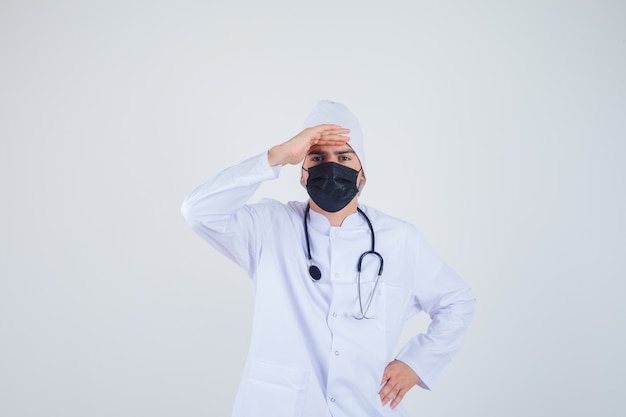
(336, 113)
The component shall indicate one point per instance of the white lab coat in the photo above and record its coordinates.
(308, 356)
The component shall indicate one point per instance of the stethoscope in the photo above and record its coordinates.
(316, 274)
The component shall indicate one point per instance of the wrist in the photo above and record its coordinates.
(274, 156)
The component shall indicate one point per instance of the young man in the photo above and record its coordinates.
(334, 281)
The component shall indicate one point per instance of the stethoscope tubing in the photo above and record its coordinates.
(316, 274)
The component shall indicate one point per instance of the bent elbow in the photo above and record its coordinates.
(189, 213)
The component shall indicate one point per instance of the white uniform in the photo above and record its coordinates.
(309, 356)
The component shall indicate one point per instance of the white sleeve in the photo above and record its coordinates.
(217, 210)
(450, 303)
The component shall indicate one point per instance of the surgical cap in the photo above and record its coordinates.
(336, 113)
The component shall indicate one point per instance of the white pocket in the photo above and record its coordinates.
(271, 390)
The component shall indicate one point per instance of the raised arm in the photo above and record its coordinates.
(217, 210)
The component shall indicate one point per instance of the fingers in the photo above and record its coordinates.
(329, 127)
(394, 394)
(392, 391)
(388, 392)
(398, 378)
(328, 134)
(399, 396)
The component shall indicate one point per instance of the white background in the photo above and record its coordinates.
(497, 127)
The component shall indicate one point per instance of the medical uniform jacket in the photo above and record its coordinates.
(309, 356)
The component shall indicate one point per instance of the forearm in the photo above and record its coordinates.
(430, 354)
(227, 192)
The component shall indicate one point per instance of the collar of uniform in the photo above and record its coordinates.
(320, 223)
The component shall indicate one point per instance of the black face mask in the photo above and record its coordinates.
(331, 185)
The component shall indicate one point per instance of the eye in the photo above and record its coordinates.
(345, 158)
(316, 158)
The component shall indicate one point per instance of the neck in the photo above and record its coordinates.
(336, 218)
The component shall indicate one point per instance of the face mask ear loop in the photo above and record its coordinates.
(302, 182)
(361, 183)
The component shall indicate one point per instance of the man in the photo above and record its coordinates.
(334, 281)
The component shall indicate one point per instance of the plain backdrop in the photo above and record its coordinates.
(497, 127)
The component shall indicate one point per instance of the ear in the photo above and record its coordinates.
(361, 181)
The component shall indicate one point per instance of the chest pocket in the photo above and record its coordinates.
(272, 390)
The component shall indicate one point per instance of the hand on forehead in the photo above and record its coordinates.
(329, 134)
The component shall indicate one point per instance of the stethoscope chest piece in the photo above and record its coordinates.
(315, 273)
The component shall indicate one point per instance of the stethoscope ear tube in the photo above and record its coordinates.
(370, 252)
